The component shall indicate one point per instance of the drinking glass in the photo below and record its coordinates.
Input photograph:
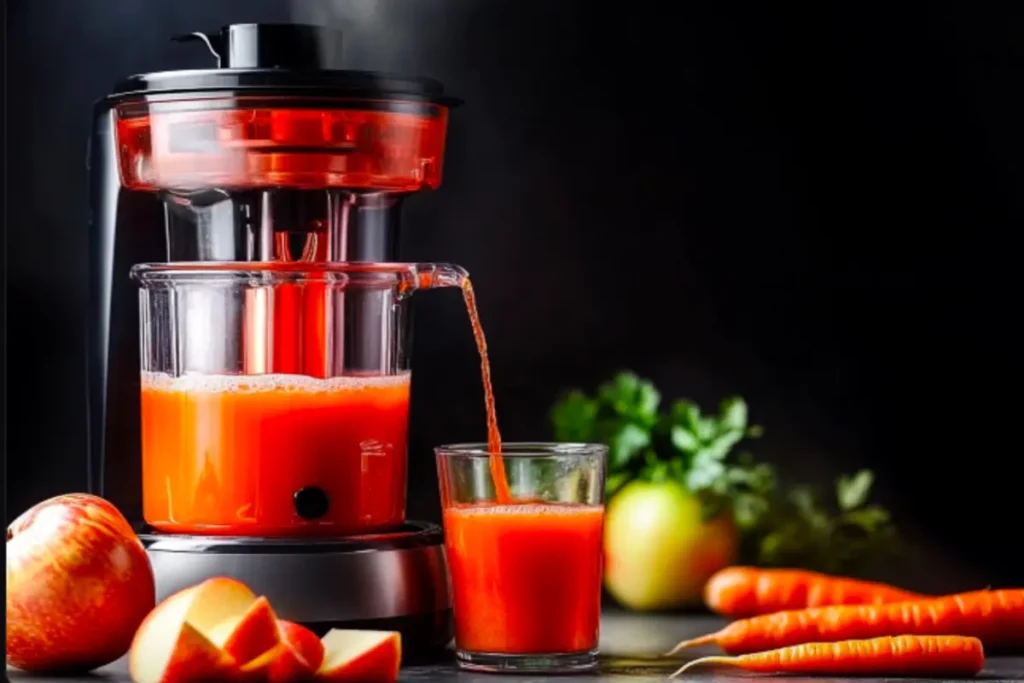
(525, 559)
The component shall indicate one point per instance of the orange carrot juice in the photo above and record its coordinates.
(526, 577)
(274, 455)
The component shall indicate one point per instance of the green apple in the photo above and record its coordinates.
(658, 551)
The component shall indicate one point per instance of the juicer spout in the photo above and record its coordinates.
(434, 275)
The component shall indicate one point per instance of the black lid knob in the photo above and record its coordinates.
(273, 46)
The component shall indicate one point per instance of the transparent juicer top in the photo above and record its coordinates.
(275, 338)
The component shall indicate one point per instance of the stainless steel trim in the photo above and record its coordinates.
(323, 586)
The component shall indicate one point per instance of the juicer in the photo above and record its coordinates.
(248, 392)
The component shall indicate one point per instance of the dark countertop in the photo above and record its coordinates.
(630, 644)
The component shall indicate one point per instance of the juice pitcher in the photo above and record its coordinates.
(275, 396)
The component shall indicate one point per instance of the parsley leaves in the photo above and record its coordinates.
(780, 525)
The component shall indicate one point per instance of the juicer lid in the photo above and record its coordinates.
(282, 59)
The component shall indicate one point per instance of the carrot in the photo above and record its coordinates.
(749, 591)
(939, 656)
(994, 617)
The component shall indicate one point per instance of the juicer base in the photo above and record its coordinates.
(396, 581)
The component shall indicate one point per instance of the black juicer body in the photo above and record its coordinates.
(396, 580)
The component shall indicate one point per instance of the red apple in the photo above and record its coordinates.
(78, 585)
(364, 656)
(176, 640)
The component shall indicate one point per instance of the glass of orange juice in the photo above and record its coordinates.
(523, 531)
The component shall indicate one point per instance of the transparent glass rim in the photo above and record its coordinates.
(523, 449)
(291, 270)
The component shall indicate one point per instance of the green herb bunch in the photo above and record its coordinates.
(779, 525)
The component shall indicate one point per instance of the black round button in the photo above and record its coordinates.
(311, 502)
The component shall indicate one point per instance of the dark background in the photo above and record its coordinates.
(811, 208)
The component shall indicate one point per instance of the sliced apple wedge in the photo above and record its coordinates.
(295, 658)
(366, 656)
(166, 648)
(281, 664)
(174, 641)
(303, 641)
(215, 601)
(249, 635)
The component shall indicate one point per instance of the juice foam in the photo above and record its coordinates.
(202, 383)
(526, 509)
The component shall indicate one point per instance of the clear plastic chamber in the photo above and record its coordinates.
(275, 396)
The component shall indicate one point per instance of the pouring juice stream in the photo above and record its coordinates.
(497, 465)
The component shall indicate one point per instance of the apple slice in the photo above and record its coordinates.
(166, 648)
(174, 641)
(366, 656)
(249, 635)
(216, 601)
(303, 641)
(295, 658)
(281, 664)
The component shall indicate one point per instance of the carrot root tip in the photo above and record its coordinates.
(692, 642)
(703, 661)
